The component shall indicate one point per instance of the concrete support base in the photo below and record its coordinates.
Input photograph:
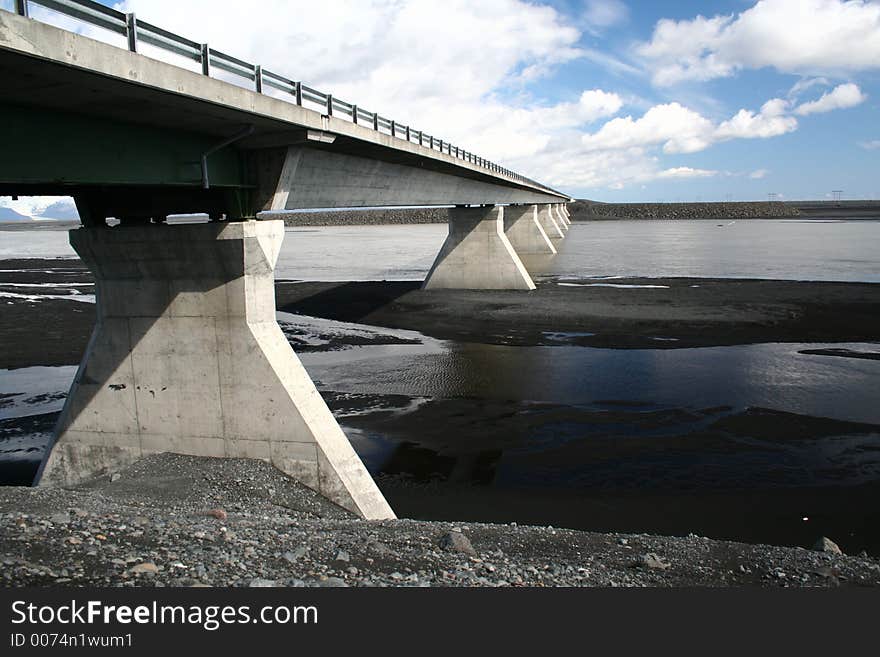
(186, 356)
(547, 219)
(477, 255)
(525, 232)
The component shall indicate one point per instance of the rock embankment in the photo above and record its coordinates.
(590, 211)
(171, 520)
(365, 217)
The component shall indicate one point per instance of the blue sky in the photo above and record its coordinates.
(613, 100)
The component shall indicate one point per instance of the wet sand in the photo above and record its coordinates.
(681, 312)
(696, 312)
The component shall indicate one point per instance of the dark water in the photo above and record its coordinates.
(755, 442)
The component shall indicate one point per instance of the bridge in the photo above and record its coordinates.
(186, 355)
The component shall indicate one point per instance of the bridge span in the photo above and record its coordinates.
(186, 354)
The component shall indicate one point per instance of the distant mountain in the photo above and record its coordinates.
(8, 214)
(60, 210)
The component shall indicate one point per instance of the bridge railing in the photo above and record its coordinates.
(137, 31)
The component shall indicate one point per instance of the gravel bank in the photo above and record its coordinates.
(584, 210)
(364, 217)
(590, 211)
(171, 520)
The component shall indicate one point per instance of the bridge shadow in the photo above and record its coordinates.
(346, 302)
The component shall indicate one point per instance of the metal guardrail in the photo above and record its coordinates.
(137, 31)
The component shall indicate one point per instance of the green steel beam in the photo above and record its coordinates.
(49, 147)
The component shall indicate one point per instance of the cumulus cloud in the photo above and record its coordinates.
(769, 122)
(758, 174)
(872, 145)
(682, 130)
(841, 97)
(804, 37)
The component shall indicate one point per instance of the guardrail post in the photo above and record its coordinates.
(329, 104)
(354, 114)
(258, 78)
(298, 92)
(393, 128)
(432, 143)
(206, 59)
(375, 122)
(131, 31)
(21, 8)
(441, 145)
(407, 133)
(420, 138)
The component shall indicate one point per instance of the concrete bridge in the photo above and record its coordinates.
(186, 355)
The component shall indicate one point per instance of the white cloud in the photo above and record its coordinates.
(599, 14)
(758, 174)
(841, 97)
(686, 172)
(678, 128)
(804, 37)
(807, 83)
(682, 130)
(769, 122)
(872, 145)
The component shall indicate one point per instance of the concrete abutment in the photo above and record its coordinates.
(187, 356)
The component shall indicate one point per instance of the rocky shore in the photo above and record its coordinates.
(171, 520)
(584, 210)
(365, 217)
(590, 211)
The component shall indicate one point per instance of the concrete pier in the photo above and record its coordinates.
(477, 254)
(547, 219)
(187, 356)
(525, 232)
(561, 221)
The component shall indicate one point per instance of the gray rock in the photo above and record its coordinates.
(261, 583)
(146, 567)
(651, 560)
(825, 544)
(342, 555)
(332, 582)
(377, 548)
(455, 541)
(294, 555)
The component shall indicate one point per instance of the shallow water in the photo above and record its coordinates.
(772, 249)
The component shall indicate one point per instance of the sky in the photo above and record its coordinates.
(612, 100)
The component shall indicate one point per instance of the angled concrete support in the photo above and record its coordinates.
(525, 232)
(186, 356)
(556, 210)
(547, 219)
(477, 255)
